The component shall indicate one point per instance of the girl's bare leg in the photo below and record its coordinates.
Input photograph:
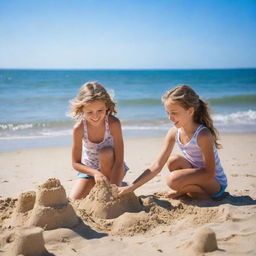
(81, 188)
(107, 158)
(187, 180)
(176, 162)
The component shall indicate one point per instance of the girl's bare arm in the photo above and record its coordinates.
(206, 143)
(116, 132)
(77, 151)
(156, 167)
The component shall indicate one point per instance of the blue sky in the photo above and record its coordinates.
(127, 34)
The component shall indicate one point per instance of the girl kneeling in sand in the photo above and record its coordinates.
(198, 171)
(97, 151)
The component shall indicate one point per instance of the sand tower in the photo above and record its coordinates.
(52, 209)
(204, 240)
(29, 242)
(24, 205)
(102, 202)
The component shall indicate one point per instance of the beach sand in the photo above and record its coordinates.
(34, 185)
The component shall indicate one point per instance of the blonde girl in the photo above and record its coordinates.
(198, 171)
(97, 151)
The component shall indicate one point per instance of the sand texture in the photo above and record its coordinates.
(41, 220)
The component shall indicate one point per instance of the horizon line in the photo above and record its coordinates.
(123, 69)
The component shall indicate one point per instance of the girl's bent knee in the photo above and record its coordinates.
(173, 182)
(173, 162)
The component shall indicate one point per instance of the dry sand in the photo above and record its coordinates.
(36, 217)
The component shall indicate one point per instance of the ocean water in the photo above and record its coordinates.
(34, 103)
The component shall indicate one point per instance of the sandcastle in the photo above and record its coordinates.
(204, 240)
(47, 208)
(128, 223)
(29, 242)
(25, 204)
(102, 202)
(52, 209)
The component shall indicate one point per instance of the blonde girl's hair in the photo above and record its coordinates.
(187, 97)
(88, 93)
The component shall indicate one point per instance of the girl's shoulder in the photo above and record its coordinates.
(78, 128)
(114, 126)
(205, 132)
(205, 137)
(113, 121)
(171, 135)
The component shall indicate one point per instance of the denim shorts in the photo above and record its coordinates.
(221, 192)
(87, 176)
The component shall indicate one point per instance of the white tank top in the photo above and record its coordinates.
(192, 152)
(90, 152)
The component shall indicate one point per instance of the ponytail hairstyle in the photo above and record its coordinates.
(187, 97)
(88, 93)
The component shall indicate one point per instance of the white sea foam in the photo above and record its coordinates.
(241, 121)
(166, 127)
(57, 133)
(15, 127)
(237, 118)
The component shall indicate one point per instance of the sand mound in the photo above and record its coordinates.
(28, 242)
(204, 240)
(129, 223)
(103, 213)
(51, 209)
(7, 207)
(102, 202)
(26, 201)
(47, 208)
(24, 205)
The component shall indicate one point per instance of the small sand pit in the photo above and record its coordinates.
(28, 242)
(102, 202)
(51, 209)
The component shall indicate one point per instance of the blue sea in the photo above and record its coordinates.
(34, 104)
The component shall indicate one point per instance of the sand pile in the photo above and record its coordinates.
(48, 208)
(203, 241)
(102, 213)
(24, 205)
(131, 215)
(23, 219)
(7, 207)
(51, 209)
(28, 242)
(129, 223)
(102, 202)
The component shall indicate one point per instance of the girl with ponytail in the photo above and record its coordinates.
(198, 171)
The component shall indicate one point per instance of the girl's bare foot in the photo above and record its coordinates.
(198, 195)
(173, 194)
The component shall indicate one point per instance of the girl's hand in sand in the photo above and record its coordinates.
(99, 177)
(124, 190)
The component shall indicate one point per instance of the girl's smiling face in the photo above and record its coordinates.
(95, 112)
(178, 115)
